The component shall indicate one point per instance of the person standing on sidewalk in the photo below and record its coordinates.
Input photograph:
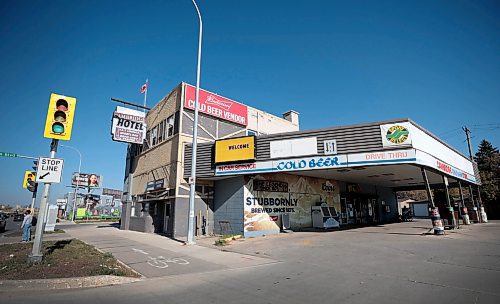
(26, 226)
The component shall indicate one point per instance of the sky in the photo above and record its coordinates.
(334, 62)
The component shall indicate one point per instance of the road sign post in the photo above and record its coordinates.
(37, 254)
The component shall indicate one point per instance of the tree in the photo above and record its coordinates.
(488, 162)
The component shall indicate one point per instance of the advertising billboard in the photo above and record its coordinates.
(128, 125)
(117, 194)
(217, 106)
(90, 180)
(235, 149)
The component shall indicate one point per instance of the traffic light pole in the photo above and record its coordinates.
(37, 253)
(33, 198)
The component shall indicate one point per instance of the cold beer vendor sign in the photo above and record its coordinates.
(216, 106)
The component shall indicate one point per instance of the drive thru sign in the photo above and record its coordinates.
(49, 170)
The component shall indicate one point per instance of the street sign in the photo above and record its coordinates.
(49, 170)
(8, 154)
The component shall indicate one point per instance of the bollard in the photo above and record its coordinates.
(452, 218)
(465, 216)
(484, 217)
(475, 216)
(437, 224)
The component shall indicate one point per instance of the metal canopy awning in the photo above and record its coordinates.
(391, 176)
(399, 176)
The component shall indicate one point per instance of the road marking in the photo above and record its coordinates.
(140, 251)
(161, 262)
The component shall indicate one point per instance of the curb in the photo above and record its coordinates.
(66, 283)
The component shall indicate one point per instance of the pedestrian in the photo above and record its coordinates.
(26, 226)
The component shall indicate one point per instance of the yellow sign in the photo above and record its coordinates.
(235, 149)
(80, 212)
(28, 175)
(60, 115)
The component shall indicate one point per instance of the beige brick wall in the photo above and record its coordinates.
(161, 160)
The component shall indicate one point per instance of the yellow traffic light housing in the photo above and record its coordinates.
(60, 115)
(29, 176)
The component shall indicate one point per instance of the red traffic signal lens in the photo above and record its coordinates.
(62, 105)
(58, 128)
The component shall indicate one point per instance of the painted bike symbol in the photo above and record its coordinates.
(161, 262)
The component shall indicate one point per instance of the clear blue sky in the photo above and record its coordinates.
(335, 62)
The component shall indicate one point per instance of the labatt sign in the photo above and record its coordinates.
(217, 106)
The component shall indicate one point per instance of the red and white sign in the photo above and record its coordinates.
(217, 106)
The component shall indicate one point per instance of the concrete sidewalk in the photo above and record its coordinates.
(153, 255)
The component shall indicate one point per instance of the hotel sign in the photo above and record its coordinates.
(235, 149)
(216, 106)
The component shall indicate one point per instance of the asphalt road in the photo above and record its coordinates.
(12, 229)
(385, 264)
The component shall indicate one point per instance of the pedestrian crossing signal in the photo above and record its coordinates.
(60, 115)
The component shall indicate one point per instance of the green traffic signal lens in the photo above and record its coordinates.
(58, 128)
(60, 116)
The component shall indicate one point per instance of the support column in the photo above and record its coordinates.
(484, 217)
(450, 208)
(437, 224)
(463, 208)
(477, 218)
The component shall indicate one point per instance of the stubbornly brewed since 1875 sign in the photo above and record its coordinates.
(128, 125)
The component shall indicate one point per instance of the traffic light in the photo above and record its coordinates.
(32, 186)
(29, 181)
(60, 115)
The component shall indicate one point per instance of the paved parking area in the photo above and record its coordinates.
(395, 263)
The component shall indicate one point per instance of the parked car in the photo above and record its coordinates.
(3, 222)
(18, 217)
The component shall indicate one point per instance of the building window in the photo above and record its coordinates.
(161, 131)
(147, 141)
(154, 136)
(170, 125)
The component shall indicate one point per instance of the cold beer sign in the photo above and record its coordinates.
(49, 170)
(217, 106)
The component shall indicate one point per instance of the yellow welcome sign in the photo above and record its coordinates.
(235, 149)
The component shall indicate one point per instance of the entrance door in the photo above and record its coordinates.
(351, 211)
(166, 218)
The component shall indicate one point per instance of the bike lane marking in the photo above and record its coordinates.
(156, 262)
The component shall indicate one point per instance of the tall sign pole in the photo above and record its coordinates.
(37, 254)
(192, 178)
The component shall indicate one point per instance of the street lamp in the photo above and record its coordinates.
(192, 178)
(77, 179)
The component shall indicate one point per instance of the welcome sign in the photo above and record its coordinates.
(235, 149)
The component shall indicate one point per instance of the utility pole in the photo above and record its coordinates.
(467, 133)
